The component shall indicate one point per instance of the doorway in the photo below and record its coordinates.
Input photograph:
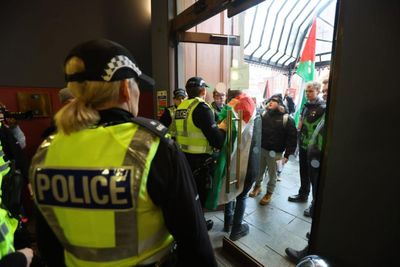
(258, 50)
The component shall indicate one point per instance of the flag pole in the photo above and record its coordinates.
(306, 66)
(300, 103)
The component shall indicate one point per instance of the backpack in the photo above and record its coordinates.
(285, 119)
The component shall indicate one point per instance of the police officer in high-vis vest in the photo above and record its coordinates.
(197, 133)
(169, 112)
(311, 115)
(111, 189)
(8, 224)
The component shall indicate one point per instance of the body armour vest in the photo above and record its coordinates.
(172, 126)
(8, 225)
(189, 137)
(312, 115)
(314, 150)
(91, 188)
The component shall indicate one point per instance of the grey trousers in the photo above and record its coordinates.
(268, 159)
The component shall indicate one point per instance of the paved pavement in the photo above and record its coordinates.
(273, 227)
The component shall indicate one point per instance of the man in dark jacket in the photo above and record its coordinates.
(314, 152)
(314, 155)
(311, 115)
(278, 135)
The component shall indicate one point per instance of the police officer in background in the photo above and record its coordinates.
(111, 189)
(198, 134)
(169, 112)
(10, 150)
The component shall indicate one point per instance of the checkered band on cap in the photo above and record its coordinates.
(118, 62)
(105, 60)
(196, 82)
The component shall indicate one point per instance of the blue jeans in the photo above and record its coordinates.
(235, 212)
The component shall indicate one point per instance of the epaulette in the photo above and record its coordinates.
(153, 126)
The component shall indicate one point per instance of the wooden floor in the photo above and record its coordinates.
(273, 227)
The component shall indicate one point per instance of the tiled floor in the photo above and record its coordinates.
(273, 228)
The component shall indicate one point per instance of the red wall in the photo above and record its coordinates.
(34, 128)
(146, 104)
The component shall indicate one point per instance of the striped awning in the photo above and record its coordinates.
(275, 31)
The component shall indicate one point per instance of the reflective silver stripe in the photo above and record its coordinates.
(149, 243)
(4, 166)
(196, 149)
(83, 253)
(4, 229)
(185, 121)
(1, 152)
(158, 257)
(125, 221)
(193, 135)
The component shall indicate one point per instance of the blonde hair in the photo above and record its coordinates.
(82, 112)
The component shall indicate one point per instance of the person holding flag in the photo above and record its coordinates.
(306, 66)
(314, 156)
(309, 113)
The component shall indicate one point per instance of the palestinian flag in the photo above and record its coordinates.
(306, 67)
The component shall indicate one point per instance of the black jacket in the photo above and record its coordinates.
(276, 136)
(312, 111)
(15, 259)
(310, 116)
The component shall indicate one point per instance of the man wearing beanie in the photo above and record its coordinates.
(279, 137)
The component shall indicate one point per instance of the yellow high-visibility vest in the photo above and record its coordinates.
(189, 137)
(172, 126)
(4, 165)
(91, 188)
(8, 225)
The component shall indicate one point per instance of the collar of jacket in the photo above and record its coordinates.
(317, 102)
(114, 116)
